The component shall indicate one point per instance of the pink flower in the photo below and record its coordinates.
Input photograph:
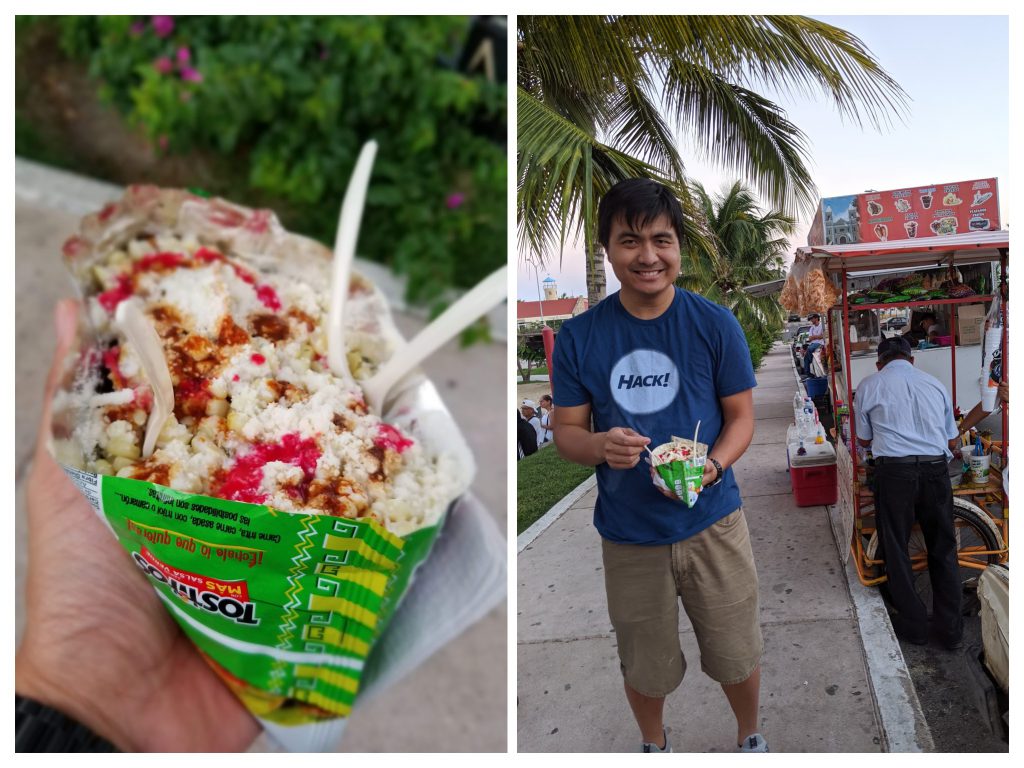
(162, 141)
(163, 65)
(163, 26)
(183, 56)
(191, 75)
(137, 28)
(455, 200)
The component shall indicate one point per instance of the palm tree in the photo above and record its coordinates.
(599, 98)
(748, 248)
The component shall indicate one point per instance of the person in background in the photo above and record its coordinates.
(815, 338)
(932, 328)
(526, 437)
(547, 408)
(531, 414)
(906, 416)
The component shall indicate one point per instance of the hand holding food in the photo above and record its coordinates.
(99, 646)
(275, 514)
(623, 447)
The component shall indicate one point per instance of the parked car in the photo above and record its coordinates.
(895, 322)
(794, 318)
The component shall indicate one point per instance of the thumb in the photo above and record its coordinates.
(66, 325)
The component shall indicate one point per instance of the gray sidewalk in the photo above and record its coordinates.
(466, 683)
(825, 688)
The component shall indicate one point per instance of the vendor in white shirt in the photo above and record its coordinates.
(815, 338)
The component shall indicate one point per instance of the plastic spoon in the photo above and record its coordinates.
(150, 350)
(344, 252)
(695, 439)
(487, 294)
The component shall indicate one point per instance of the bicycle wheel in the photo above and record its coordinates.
(976, 533)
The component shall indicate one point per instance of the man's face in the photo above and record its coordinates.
(815, 320)
(528, 412)
(646, 261)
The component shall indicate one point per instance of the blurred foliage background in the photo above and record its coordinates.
(272, 111)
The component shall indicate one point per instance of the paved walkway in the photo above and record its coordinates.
(471, 713)
(833, 677)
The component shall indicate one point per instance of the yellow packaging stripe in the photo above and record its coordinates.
(343, 641)
(345, 607)
(371, 580)
(331, 677)
(360, 547)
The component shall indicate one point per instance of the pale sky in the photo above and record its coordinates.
(955, 70)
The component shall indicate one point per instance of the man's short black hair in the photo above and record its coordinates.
(637, 202)
(894, 348)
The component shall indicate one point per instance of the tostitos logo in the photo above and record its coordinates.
(644, 381)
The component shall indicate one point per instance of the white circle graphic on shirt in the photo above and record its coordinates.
(644, 381)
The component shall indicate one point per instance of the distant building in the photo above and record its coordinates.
(844, 229)
(551, 308)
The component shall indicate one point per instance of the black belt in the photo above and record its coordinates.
(910, 459)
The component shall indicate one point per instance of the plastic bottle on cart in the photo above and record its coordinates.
(798, 402)
(819, 437)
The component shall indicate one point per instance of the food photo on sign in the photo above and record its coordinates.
(910, 213)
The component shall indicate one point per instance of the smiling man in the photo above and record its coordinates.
(649, 362)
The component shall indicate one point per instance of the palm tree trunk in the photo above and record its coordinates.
(595, 275)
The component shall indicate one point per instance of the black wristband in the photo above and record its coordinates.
(718, 472)
(39, 728)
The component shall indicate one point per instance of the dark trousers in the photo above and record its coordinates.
(809, 356)
(922, 492)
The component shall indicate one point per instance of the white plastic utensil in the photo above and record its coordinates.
(695, 439)
(150, 351)
(487, 294)
(344, 252)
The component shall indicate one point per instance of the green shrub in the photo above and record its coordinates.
(294, 98)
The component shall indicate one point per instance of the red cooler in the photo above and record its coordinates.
(813, 475)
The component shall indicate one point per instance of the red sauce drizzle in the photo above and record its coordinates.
(258, 358)
(242, 481)
(110, 360)
(390, 438)
(163, 260)
(123, 290)
(269, 297)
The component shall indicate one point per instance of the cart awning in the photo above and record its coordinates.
(765, 289)
(967, 248)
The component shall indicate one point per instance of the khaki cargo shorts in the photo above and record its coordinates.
(714, 574)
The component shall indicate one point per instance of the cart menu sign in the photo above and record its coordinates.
(909, 213)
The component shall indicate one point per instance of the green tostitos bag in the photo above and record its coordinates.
(680, 468)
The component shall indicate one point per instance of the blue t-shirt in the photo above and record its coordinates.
(658, 377)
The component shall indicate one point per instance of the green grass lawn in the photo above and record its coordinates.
(542, 480)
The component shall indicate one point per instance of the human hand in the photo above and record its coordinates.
(660, 484)
(710, 475)
(1004, 391)
(622, 447)
(99, 645)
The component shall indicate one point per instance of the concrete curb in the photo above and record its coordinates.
(904, 728)
(80, 195)
(527, 537)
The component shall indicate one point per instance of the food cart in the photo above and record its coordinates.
(981, 511)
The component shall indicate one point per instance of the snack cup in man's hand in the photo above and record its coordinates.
(680, 468)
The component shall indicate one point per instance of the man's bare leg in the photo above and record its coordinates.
(648, 713)
(743, 698)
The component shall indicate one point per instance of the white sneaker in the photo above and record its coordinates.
(650, 747)
(753, 743)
